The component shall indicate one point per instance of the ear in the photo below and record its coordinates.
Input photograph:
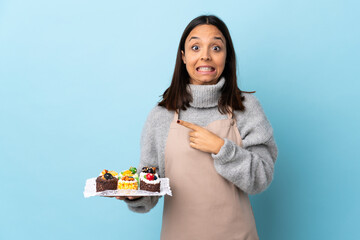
(183, 56)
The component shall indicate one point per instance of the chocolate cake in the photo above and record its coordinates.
(151, 187)
(149, 180)
(106, 182)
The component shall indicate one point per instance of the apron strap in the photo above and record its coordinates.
(230, 115)
(176, 116)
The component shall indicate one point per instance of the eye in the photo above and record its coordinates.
(195, 47)
(216, 48)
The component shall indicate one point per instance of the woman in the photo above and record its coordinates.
(210, 139)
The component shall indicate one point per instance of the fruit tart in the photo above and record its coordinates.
(128, 179)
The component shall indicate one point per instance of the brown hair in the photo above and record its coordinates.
(177, 96)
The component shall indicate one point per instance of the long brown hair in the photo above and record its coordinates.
(177, 96)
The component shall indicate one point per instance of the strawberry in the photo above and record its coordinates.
(150, 176)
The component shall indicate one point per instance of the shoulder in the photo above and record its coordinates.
(252, 106)
(251, 103)
(158, 113)
(158, 116)
(253, 117)
(156, 125)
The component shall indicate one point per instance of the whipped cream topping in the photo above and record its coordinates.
(142, 178)
(123, 181)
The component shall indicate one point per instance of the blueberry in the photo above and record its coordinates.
(150, 170)
(108, 176)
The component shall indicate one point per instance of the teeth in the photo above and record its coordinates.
(205, 69)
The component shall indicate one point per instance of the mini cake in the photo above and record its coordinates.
(108, 180)
(149, 179)
(129, 179)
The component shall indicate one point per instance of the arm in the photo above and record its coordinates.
(148, 158)
(251, 166)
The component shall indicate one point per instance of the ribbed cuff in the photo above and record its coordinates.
(226, 152)
(136, 202)
(143, 204)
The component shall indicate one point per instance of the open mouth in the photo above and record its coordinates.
(205, 69)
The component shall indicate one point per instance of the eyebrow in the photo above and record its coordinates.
(217, 38)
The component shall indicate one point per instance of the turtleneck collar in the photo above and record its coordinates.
(206, 96)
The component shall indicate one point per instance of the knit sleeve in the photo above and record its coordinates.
(148, 157)
(251, 166)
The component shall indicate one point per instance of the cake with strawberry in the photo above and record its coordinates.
(149, 179)
(128, 179)
(108, 180)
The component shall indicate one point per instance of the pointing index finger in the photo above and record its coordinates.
(188, 125)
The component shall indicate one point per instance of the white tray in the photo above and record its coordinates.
(90, 190)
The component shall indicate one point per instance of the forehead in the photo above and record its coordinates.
(205, 32)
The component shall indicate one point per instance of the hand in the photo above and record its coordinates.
(130, 198)
(123, 198)
(202, 139)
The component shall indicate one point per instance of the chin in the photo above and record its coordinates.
(204, 81)
(209, 81)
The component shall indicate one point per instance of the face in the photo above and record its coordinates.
(205, 54)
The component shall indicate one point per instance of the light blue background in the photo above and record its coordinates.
(78, 78)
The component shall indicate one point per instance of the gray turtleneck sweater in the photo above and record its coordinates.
(249, 167)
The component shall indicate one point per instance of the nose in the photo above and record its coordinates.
(205, 56)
